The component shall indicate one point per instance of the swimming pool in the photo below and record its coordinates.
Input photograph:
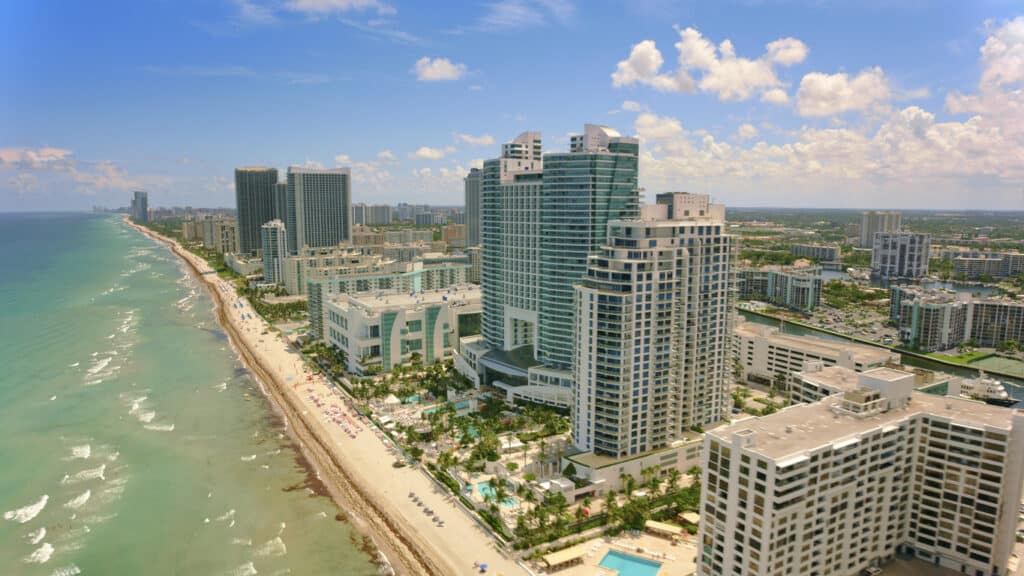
(629, 565)
(485, 490)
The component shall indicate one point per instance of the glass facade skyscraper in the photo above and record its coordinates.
(319, 207)
(473, 182)
(254, 199)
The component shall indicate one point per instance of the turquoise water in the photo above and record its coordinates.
(132, 439)
(485, 490)
(629, 565)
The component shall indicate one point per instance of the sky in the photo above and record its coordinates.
(870, 104)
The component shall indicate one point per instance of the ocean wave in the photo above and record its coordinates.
(160, 427)
(88, 474)
(222, 386)
(242, 541)
(99, 365)
(79, 501)
(145, 417)
(249, 458)
(36, 536)
(272, 548)
(70, 570)
(41, 554)
(94, 382)
(247, 569)
(75, 365)
(99, 518)
(26, 513)
(80, 452)
(226, 516)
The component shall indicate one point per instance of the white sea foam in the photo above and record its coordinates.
(93, 382)
(272, 548)
(246, 569)
(52, 398)
(75, 365)
(160, 427)
(41, 554)
(100, 364)
(145, 417)
(249, 458)
(83, 452)
(242, 541)
(79, 501)
(88, 474)
(36, 536)
(26, 513)
(222, 386)
(70, 570)
(226, 516)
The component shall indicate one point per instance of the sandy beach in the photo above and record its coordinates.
(352, 458)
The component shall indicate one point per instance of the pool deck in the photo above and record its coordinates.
(678, 560)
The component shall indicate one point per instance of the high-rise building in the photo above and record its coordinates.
(473, 182)
(900, 255)
(281, 202)
(275, 250)
(140, 206)
(319, 208)
(372, 214)
(653, 325)
(849, 482)
(796, 288)
(872, 221)
(255, 200)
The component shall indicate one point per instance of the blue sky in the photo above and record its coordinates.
(866, 104)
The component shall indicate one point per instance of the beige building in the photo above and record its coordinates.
(764, 353)
(454, 235)
(849, 482)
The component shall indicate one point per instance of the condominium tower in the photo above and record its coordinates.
(472, 184)
(900, 255)
(652, 327)
(255, 189)
(872, 221)
(140, 206)
(275, 250)
(319, 207)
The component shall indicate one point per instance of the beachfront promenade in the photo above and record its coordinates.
(367, 457)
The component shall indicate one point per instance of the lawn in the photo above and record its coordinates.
(964, 358)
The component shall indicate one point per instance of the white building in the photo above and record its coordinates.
(872, 221)
(764, 353)
(900, 255)
(848, 482)
(387, 328)
(274, 239)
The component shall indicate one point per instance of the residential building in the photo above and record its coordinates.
(764, 353)
(474, 263)
(785, 286)
(817, 252)
(408, 236)
(473, 182)
(817, 381)
(372, 214)
(275, 251)
(319, 208)
(850, 482)
(281, 201)
(220, 234)
(992, 321)
(380, 330)
(873, 221)
(140, 206)
(900, 255)
(653, 326)
(429, 219)
(398, 276)
(257, 200)
(454, 235)
(929, 320)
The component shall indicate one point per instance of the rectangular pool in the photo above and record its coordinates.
(629, 565)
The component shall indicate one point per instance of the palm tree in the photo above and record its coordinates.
(674, 475)
(694, 472)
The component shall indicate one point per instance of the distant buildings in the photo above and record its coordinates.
(900, 255)
(257, 201)
(454, 235)
(275, 251)
(849, 482)
(785, 286)
(220, 234)
(429, 219)
(975, 264)
(652, 357)
(140, 207)
(873, 221)
(372, 214)
(473, 183)
(818, 252)
(933, 320)
(764, 353)
(319, 208)
(386, 329)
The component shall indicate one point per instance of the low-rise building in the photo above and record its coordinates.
(819, 252)
(848, 482)
(388, 328)
(764, 353)
(796, 288)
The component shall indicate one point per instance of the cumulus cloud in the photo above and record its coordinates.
(342, 159)
(830, 94)
(385, 155)
(87, 176)
(644, 67)
(482, 140)
(33, 158)
(721, 72)
(428, 153)
(437, 69)
(653, 127)
(746, 132)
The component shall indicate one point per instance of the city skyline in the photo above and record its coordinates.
(789, 105)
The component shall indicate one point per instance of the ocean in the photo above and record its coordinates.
(132, 440)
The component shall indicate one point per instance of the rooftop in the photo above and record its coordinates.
(832, 377)
(459, 294)
(861, 353)
(804, 427)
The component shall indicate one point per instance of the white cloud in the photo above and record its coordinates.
(342, 159)
(787, 51)
(318, 8)
(644, 67)
(482, 140)
(631, 106)
(313, 164)
(1003, 55)
(515, 14)
(253, 13)
(86, 175)
(830, 94)
(432, 70)
(428, 153)
(775, 96)
(746, 132)
(34, 158)
(654, 127)
(385, 155)
(23, 182)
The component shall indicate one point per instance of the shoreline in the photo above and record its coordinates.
(355, 468)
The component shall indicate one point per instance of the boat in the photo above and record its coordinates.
(988, 390)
